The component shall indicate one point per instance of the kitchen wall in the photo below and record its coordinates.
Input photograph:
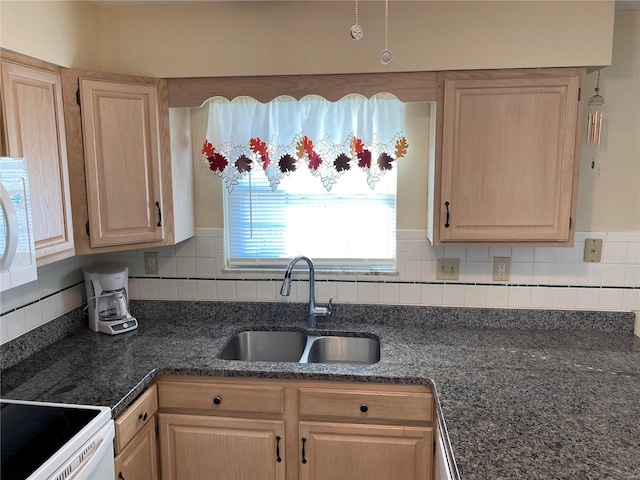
(608, 205)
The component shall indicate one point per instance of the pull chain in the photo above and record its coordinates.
(386, 56)
(356, 31)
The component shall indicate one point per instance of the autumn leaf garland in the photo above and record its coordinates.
(359, 154)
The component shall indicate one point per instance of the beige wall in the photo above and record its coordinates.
(265, 38)
(609, 194)
(62, 32)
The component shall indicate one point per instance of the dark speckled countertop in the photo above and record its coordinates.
(524, 394)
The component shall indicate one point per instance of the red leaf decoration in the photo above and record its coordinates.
(207, 149)
(307, 145)
(243, 164)
(357, 146)
(265, 161)
(384, 161)
(342, 163)
(314, 161)
(217, 162)
(364, 159)
(258, 146)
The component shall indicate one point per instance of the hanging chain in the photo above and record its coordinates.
(356, 12)
(386, 24)
(356, 30)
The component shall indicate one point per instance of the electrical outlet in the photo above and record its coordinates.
(592, 250)
(448, 269)
(501, 267)
(151, 263)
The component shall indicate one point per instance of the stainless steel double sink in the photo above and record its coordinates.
(293, 346)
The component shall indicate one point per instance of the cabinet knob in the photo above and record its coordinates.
(364, 408)
(217, 400)
(142, 416)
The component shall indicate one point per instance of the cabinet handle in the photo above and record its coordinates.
(159, 214)
(304, 440)
(364, 408)
(217, 400)
(142, 416)
(446, 225)
(278, 459)
(120, 476)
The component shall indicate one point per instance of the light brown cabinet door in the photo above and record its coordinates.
(365, 452)
(34, 129)
(139, 459)
(508, 171)
(196, 446)
(122, 161)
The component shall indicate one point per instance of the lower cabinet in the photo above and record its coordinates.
(139, 459)
(365, 452)
(197, 446)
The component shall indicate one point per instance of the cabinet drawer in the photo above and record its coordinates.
(221, 397)
(136, 416)
(366, 405)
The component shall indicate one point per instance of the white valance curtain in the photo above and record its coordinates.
(287, 135)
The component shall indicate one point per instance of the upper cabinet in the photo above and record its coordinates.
(506, 157)
(33, 127)
(122, 163)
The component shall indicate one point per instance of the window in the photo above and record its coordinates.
(308, 177)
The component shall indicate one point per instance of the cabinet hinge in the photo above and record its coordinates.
(87, 227)
(78, 97)
(579, 93)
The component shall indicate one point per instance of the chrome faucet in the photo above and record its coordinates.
(313, 312)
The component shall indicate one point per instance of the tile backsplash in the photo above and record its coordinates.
(540, 278)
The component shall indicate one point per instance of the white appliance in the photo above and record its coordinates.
(108, 298)
(55, 441)
(18, 261)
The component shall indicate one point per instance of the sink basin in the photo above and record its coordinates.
(265, 346)
(344, 350)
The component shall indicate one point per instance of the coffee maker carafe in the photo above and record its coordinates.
(108, 298)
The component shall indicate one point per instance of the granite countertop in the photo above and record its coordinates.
(521, 398)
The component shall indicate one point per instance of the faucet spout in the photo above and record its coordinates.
(313, 312)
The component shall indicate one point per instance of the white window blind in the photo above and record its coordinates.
(345, 219)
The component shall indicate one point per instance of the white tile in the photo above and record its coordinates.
(347, 292)
(185, 267)
(49, 309)
(33, 315)
(206, 232)
(410, 294)
(588, 299)
(302, 291)
(147, 288)
(568, 274)
(10, 299)
(545, 254)
(206, 290)
(226, 290)
(69, 299)
(401, 265)
(31, 292)
(455, 252)
(428, 252)
(611, 299)
(613, 275)
(565, 298)
(246, 291)
(267, 291)
(614, 253)
(477, 272)
(475, 295)
(590, 274)
(632, 276)
(167, 267)
(520, 273)
(401, 245)
(219, 245)
(631, 300)
(325, 291)
(131, 263)
(428, 271)
(544, 273)
(438, 251)
(497, 296)
(542, 297)
(166, 251)
(205, 247)
(413, 271)
(133, 288)
(15, 323)
(499, 252)
(187, 290)
(206, 268)
(46, 282)
(413, 250)
(582, 236)
(477, 254)
(453, 295)
(623, 237)
(431, 294)
(389, 293)
(522, 254)
(367, 293)
(186, 248)
(4, 332)
(520, 297)
(569, 255)
(167, 289)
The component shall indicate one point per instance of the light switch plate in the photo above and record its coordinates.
(151, 263)
(592, 250)
(448, 269)
(501, 267)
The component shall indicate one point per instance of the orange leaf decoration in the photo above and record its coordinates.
(357, 146)
(308, 145)
(207, 149)
(258, 146)
(300, 149)
(401, 147)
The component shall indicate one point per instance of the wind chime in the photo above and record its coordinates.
(594, 122)
(357, 32)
